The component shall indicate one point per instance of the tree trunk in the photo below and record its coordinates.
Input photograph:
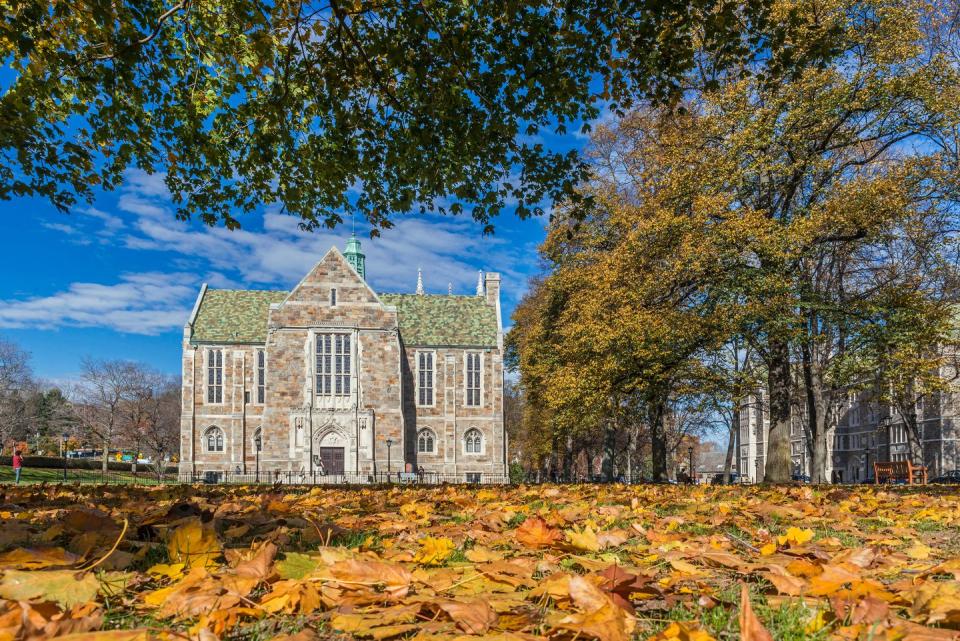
(912, 425)
(779, 383)
(568, 459)
(609, 449)
(818, 416)
(731, 443)
(658, 441)
(106, 454)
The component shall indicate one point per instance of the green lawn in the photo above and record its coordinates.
(53, 475)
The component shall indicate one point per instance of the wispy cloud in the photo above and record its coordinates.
(144, 303)
(448, 250)
(277, 254)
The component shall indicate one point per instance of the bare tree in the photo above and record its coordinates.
(162, 439)
(104, 388)
(16, 379)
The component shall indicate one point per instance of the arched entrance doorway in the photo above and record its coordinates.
(329, 454)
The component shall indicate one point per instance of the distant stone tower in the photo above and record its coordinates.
(355, 257)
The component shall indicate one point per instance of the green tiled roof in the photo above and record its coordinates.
(234, 315)
(453, 321)
(240, 316)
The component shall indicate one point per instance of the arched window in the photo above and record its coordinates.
(426, 441)
(473, 441)
(258, 440)
(214, 439)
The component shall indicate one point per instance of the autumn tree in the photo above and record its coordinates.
(300, 103)
(625, 314)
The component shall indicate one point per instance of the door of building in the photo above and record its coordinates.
(332, 459)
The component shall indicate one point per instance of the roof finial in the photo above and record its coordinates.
(480, 283)
(449, 289)
(419, 282)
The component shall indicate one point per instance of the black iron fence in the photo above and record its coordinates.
(277, 477)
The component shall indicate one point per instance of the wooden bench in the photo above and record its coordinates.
(899, 472)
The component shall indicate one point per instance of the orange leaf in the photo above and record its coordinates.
(535, 533)
(750, 627)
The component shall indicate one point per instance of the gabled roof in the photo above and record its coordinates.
(240, 316)
(234, 315)
(444, 320)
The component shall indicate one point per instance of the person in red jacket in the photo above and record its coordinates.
(17, 465)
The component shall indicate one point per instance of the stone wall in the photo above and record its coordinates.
(380, 406)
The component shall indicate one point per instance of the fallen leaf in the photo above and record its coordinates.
(750, 627)
(434, 551)
(193, 544)
(66, 587)
(535, 533)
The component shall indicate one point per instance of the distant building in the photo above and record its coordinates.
(332, 378)
(867, 431)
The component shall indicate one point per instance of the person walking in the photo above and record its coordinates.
(17, 465)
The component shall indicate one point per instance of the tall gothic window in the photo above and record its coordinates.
(425, 442)
(214, 439)
(333, 364)
(215, 376)
(425, 378)
(261, 375)
(473, 379)
(473, 441)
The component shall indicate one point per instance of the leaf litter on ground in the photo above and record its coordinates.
(515, 563)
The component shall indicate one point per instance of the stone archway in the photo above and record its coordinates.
(331, 450)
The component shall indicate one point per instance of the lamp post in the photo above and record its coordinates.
(63, 447)
(693, 474)
(389, 445)
(257, 446)
(883, 426)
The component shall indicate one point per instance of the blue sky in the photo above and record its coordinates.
(117, 279)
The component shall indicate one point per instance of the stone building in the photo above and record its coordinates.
(867, 431)
(334, 381)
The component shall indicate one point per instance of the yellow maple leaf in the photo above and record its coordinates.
(768, 549)
(585, 539)
(434, 551)
(795, 536)
(169, 570)
(194, 544)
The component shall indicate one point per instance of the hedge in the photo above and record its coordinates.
(80, 464)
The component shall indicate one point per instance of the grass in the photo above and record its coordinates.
(33, 475)
(848, 540)
(785, 622)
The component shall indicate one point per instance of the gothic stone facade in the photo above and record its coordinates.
(867, 431)
(331, 379)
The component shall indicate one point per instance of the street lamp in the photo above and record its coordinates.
(257, 446)
(389, 445)
(63, 448)
(692, 473)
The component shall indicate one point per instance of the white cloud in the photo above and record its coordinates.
(449, 250)
(144, 303)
